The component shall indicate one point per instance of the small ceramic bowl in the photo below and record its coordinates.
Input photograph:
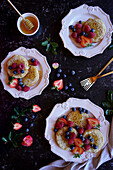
(27, 15)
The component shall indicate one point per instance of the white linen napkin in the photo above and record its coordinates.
(91, 164)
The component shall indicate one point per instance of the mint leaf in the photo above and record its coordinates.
(16, 111)
(110, 96)
(89, 45)
(10, 135)
(48, 48)
(77, 155)
(44, 43)
(54, 44)
(4, 139)
(15, 144)
(53, 88)
(107, 104)
(49, 39)
(14, 117)
(109, 112)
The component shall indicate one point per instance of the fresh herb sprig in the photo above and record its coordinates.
(77, 155)
(50, 46)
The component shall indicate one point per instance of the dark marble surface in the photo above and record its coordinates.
(50, 13)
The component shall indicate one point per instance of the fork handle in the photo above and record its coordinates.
(111, 72)
(105, 67)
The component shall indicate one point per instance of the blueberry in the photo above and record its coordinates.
(95, 146)
(71, 27)
(77, 127)
(26, 119)
(65, 76)
(67, 136)
(92, 140)
(83, 33)
(22, 71)
(72, 89)
(15, 72)
(10, 68)
(20, 83)
(73, 109)
(72, 147)
(32, 125)
(19, 80)
(80, 22)
(66, 87)
(33, 116)
(92, 30)
(55, 130)
(58, 75)
(80, 135)
(91, 145)
(64, 116)
(84, 110)
(27, 130)
(73, 72)
(23, 85)
(70, 84)
(67, 133)
(87, 111)
(83, 138)
(80, 109)
(70, 128)
(86, 35)
(32, 60)
(59, 70)
(89, 137)
(81, 112)
(74, 30)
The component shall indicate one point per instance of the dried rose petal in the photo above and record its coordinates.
(55, 65)
(27, 141)
(17, 126)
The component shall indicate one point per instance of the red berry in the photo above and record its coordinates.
(74, 35)
(19, 88)
(21, 66)
(78, 39)
(70, 123)
(87, 147)
(86, 141)
(91, 34)
(35, 63)
(81, 130)
(88, 126)
(59, 125)
(18, 70)
(14, 65)
(79, 31)
(78, 26)
(70, 141)
(72, 135)
(87, 28)
(26, 88)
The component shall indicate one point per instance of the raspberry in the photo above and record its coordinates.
(35, 63)
(19, 88)
(70, 123)
(87, 28)
(88, 126)
(87, 147)
(21, 66)
(26, 88)
(86, 141)
(78, 40)
(78, 26)
(81, 130)
(79, 31)
(59, 125)
(70, 141)
(14, 65)
(74, 35)
(91, 34)
(72, 135)
(18, 70)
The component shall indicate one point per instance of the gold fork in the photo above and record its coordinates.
(87, 83)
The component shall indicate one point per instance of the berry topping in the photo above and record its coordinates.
(92, 145)
(70, 123)
(72, 147)
(59, 70)
(67, 136)
(65, 76)
(19, 88)
(78, 39)
(59, 125)
(21, 66)
(87, 147)
(86, 141)
(93, 122)
(83, 33)
(70, 141)
(58, 75)
(89, 137)
(55, 130)
(70, 84)
(92, 140)
(82, 138)
(74, 35)
(77, 127)
(73, 72)
(91, 34)
(78, 150)
(26, 119)
(95, 146)
(15, 72)
(79, 31)
(78, 142)
(33, 117)
(58, 84)
(84, 110)
(74, 29)
(66, 87)
(14, 65)
(78, 26)
(80, 109)
(26, 88)
(80, 135)
(72, 135)
(36, 108)
(35, 63)
(19, 79)
(88, 126)
(81, 112)
(87, 28)
(18, 70)
(87, 111)
(32, 60)
(23, 85)
(80, 22)
(81, 130)
(32, 125)
(92, 30)
(10, 68)
(73, 109)
(67, 132)
(85, 41)
(27, 130)
(86, 35)
(63, 120)
(22, 71)
(64, 116)
(71, 27)
(72, 89)
(70, 129)
(13, 83)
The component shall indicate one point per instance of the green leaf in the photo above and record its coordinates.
(48, 48)
(111, 47)
(44, 43)
(89, 45)
(54, 51)
(107, 104)
(53, 88)
(14, 117)
(109, 112)
(49, 39)
(77, 155)
(4, 139)
(15, 144)
(16, 111)
(18, 120)
(110, 96)
(10, 135)
(54, 44)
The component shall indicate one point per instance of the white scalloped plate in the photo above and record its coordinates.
(43, 68)
(63, 109)
(84, 12)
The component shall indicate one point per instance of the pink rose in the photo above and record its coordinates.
(27, 141)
